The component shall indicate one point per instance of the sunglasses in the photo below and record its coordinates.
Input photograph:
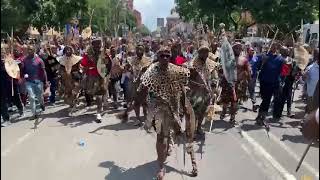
(162, 56)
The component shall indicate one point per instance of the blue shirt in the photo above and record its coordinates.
(271, 69)
(253, 64)
(312, 78)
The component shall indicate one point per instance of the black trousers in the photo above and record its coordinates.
(284, 97)
(4, 108)
(267, 90)
(16, 98)
(89, 99)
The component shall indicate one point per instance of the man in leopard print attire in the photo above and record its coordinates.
(163, 84)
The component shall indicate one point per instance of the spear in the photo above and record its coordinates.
(213, 17)
(274, 38)
(301, 31)
(11, 51)
(304, 155)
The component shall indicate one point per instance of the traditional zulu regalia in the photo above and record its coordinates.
(138, 66)
(203, 86)
(243, 78)
(115, 76)
(240, 87)
(95, 82)
(70, 78)
(229, 78)
(167, 105)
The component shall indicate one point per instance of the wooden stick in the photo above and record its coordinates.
(304, 155)
(202, 28)
(11, 50)
(12, 91)
(292, 39)
(273, 40)
(91, 17)
(213, 17)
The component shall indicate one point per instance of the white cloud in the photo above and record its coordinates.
(152, 9)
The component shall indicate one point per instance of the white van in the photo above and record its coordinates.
(311, 34)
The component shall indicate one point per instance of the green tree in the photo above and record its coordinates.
(53, 13)
(144, 31)
(283, 14)
(15, 14)
(45, 16)
(109, 16)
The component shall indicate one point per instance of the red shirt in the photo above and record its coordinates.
(180, 60)
(90, 66)
(286, 69)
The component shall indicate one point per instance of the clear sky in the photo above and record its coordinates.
(152, 9)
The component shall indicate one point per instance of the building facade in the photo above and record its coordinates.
(160, 22)
(137, 14)
(129, 5)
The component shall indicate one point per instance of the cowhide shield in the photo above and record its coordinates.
(228, 61)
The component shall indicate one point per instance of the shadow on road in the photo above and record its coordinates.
(143, 172)
(117, 127)
(299, 115)
(298, 139)
(78, 120)
(294, 138)
(217, 125)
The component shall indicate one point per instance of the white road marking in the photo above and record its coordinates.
(263, 164)
(19, 141)
(295, 156)
(261, 151)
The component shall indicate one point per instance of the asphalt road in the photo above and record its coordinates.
(115, 151)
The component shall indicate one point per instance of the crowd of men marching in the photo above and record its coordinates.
(169, 79)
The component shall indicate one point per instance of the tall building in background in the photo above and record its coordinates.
(173, 19)
(129, 5)
(137, 14)
(160, 22)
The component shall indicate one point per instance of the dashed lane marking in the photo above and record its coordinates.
(262, 152)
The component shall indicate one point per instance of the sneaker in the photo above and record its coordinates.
(99, 117)
(10, 110)
(5, 124)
